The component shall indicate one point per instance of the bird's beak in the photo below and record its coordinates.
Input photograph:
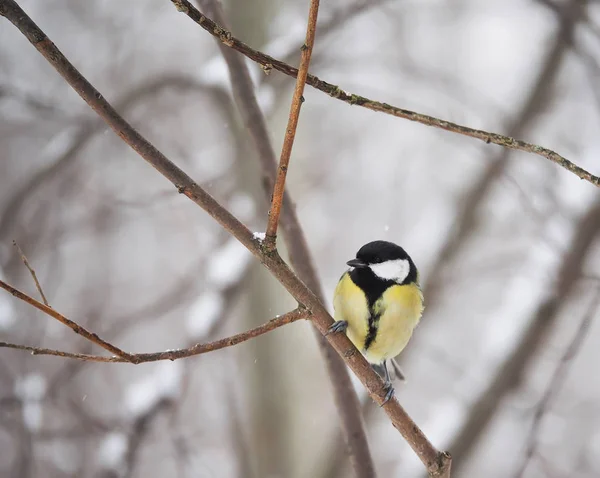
(356, 263)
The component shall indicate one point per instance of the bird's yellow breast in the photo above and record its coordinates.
(396, 313)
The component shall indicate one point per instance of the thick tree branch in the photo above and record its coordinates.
(290, 131)
(175, 354)
(437, 463)
(268, 63)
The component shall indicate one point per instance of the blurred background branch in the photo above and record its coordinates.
(268, 63)
(556, 383)
(141, 266)
(353, 433)
(436, 463)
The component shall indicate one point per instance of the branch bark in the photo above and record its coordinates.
(198, 349)
(75, 327)
(437, 463)
(531, 109)
(345, 397)
(38, 286)
(268, 63)
(290, 131)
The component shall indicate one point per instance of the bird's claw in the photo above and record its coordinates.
(389, 389)
(338, 326)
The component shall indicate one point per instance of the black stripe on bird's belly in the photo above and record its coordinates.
(373, 287)
(373, 327)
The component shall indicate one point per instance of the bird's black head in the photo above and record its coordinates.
(386, 261)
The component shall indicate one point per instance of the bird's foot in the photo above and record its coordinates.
(389, 389)
(338, 326)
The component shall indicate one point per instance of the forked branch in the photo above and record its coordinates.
(345, 397)
(269, 63)
(78, 329)
(38, 286)
(290, 131)
(437, 463)
(174, 354)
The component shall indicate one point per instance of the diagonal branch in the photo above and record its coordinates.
(60, 353)
(175, 354)
(511, 371)
(290, 131)
(344, 394)
(78, 329)
(556, 383)
(268, 63)
(437, 463)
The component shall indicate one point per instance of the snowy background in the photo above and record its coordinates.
(505, 241)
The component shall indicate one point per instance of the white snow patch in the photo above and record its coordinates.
(32, 415)
(259, 236)
(163, 382)
(204, 312)
(228, 264)
(112, 450)
(30, 387)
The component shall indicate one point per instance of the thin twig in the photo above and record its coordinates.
(87, 130)
(60, 353)
(292, 125)
(75, 327)
(175, 354)
(536, 105)
(269, 63)
(32, 272)
(556, 383)
(345, 397)
(437, 463)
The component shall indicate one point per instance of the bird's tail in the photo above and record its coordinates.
(397, 371)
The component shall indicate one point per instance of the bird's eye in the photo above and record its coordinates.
(377, 259)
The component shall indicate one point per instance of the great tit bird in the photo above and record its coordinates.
(378, 303)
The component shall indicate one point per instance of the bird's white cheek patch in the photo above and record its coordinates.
(396, 270)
